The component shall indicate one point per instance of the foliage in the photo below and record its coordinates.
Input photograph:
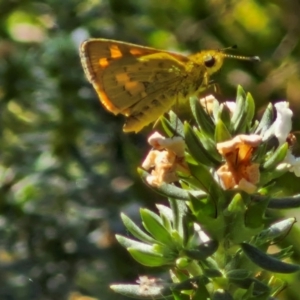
(215, 244)
(67, 170)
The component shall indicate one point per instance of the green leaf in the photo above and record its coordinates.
(276, 158)
(195, 147)
(154, 226)
(244, 112)
(177, 238)
(136, 231)
(176, 124)
(251, 284)
(236, 205)
(182, 263)
(284, 202)
(254, 216)
(259, 153)
(268, 262)
(166, 216)
(205, 212)
(203, 119)
(179, 210)
(201, 293)
(266, 120)
(210, 146)
(150, 258)
(238, 113)
(213, 273)
(238, 274)
(224, 115)
(222, 134)
(168, 127)
(203, 251)
(127, 243)
(250, 109)
(235, 218)
(255, 124)
(204, 179)
(275, 231)
(267, 176)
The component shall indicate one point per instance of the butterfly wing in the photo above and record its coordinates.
(128, 77)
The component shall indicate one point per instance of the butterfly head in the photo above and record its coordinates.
(213, 59)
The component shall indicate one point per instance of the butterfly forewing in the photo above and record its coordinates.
(124, 74)
(140, 82)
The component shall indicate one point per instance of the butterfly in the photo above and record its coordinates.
(143, 83)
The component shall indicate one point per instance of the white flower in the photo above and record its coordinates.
(294, 163)
(231, 105)
(283, 123)
(281, 128)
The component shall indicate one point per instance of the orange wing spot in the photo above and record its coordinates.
(122, 78)
(135, 51)
(134, 87)
(115, 51)
(103, 62)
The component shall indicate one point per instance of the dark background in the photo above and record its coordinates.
(66, 167)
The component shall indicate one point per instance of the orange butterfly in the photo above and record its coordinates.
(143, 83)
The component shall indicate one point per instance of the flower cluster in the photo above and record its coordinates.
(217, 172)
(237, 170)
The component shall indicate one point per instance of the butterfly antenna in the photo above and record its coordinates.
(229, 48)
(239, 57)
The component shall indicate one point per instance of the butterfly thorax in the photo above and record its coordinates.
(195, 78)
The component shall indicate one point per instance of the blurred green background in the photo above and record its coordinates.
(66, 167)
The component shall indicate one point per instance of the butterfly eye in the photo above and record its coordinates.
(209, 61)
